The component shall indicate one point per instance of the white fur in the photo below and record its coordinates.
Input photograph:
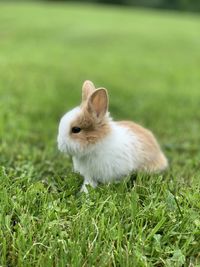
(111, 158)
(108, 160)
(65, 143)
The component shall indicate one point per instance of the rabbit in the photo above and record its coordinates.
(104, 150)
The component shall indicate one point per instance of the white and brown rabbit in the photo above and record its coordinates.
(104, 150)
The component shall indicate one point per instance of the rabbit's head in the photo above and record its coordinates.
(84, 126)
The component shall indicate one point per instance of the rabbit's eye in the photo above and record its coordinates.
(76, 130)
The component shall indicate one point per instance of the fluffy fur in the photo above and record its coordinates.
(104, 150)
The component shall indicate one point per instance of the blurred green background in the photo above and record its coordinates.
(184, 5)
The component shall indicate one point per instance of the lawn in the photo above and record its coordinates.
(150, 63)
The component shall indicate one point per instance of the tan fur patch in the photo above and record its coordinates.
(87, 89)
(92, 130)
(98, 102)
(153, 158)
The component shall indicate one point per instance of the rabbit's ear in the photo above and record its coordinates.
(98, 102)
(87, 89)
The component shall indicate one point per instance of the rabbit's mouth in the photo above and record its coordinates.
(72, 149)
(69, 151)
(62, 147)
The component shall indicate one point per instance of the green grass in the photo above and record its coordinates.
(150, 63)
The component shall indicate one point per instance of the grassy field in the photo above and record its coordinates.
(150, 63)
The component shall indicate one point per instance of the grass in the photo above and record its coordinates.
(150, 62)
